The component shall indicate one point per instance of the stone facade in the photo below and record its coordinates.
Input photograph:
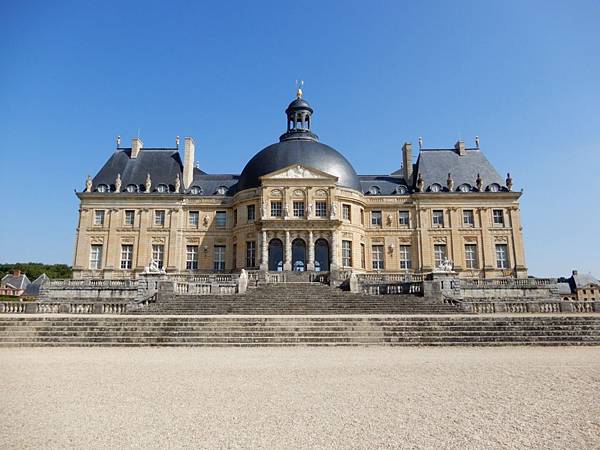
(299, 217)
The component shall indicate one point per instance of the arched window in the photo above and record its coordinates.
(196, 190)
(493, 187)
(435, 187)
(375, 190)
(103, 188)
(222, 190)
(465, 187)
(401, 189)
(131, 188)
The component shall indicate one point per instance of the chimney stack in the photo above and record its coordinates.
(574, 272)
(407, 163)
(16, 273)
(136, 146)
(460, 146)
(188, 162)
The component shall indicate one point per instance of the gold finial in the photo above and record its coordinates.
(299, 91)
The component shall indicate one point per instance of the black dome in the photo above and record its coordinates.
(306, 152)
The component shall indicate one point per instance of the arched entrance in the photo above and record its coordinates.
(298, 255)
(321, 255)
(275, 255)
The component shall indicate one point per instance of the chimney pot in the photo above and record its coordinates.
(136, 146)
(460, 146)
(407, 164)
(188, 162)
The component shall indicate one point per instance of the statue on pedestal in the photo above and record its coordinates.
(118, 183)
(88, 184)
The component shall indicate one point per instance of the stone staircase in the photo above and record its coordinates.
(121, 331)
(295, 299)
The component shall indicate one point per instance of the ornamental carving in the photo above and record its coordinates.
(440, 240)
(298, 193)
(276, 193)
(127, 239)
(297, 171)
(501, 239)
(97, 239)
(158, 240)
(470, 238)
(321, 194)
(404, 240)
(347, 235)
(192, 241)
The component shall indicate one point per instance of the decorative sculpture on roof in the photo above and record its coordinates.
(118, 141)
(477, 141)
(177, 183)
(450, 182)
(118, 183)
(509, 182)
(479, 183)
(148, 183)
(420, 142)
(177, 141)
(88, 184)
(420, 183)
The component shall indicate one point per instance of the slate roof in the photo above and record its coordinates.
(387, 184)
(564, 288)
(20, 282)
(579, 281)
(163, 165)
(434, 165)
(210, 183)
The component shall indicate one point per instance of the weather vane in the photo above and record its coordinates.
(299, 84)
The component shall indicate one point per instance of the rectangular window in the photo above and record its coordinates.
(158, 254)
(378, 255)
(502, 256)
(276, 208)
(298, 209)
(99, 217)
(251, 254)
(126, 256)
(235, 217)
(439, 254)
(403, 218)
(129, 217)
(221, 219)
(468, 218)
(405, 257)
(321, 209)
(191, 257)
(471, 256)
(363, 257)
(194, 218)
(438, 218)
(346, 212)
(362, 216)
(96, 257)
(234, 262)
(219, 258)
(159, 218)
(347, 253)
(498, 216)
(376, 218)
(251, 212)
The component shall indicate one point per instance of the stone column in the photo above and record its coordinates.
(112, 257)
(334, 251)
(170, 257)
(311, 252)
(287, 265)
(264, 250)
(488, 250)
(517, 238)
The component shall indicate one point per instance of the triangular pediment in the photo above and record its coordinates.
(295, 171)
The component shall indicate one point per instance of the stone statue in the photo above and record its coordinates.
(420, 183)
(333, 210)
(148, 183)
(287, 210)
(445, 266)
(153, 267)
(206, 220)
(309, 212)
(118, 183)
(477, 141)
(450, 182)
(389, 219)
(509, 182)
(88, 184)
(479, 182)
(263, 210)
(177, 183)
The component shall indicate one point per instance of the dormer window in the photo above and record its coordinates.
(222, 190)
(132, 188)
(493, 187)
(195, 190)
(103, 188)
(465, 188)
(375, 190)
(162, 188)
(401, 190)
(435, 187)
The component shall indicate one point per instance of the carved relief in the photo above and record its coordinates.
(470, 238)
(298, 193)
(276, 193)
(127, 239)
(440, 239)
(158, 240)
(321, 194)
(500, 238)
(97, 239)
(297, 172)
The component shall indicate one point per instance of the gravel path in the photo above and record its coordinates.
(300, 398)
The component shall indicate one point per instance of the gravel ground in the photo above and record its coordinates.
(300, 398)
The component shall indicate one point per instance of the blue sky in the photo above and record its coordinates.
(523, 75)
